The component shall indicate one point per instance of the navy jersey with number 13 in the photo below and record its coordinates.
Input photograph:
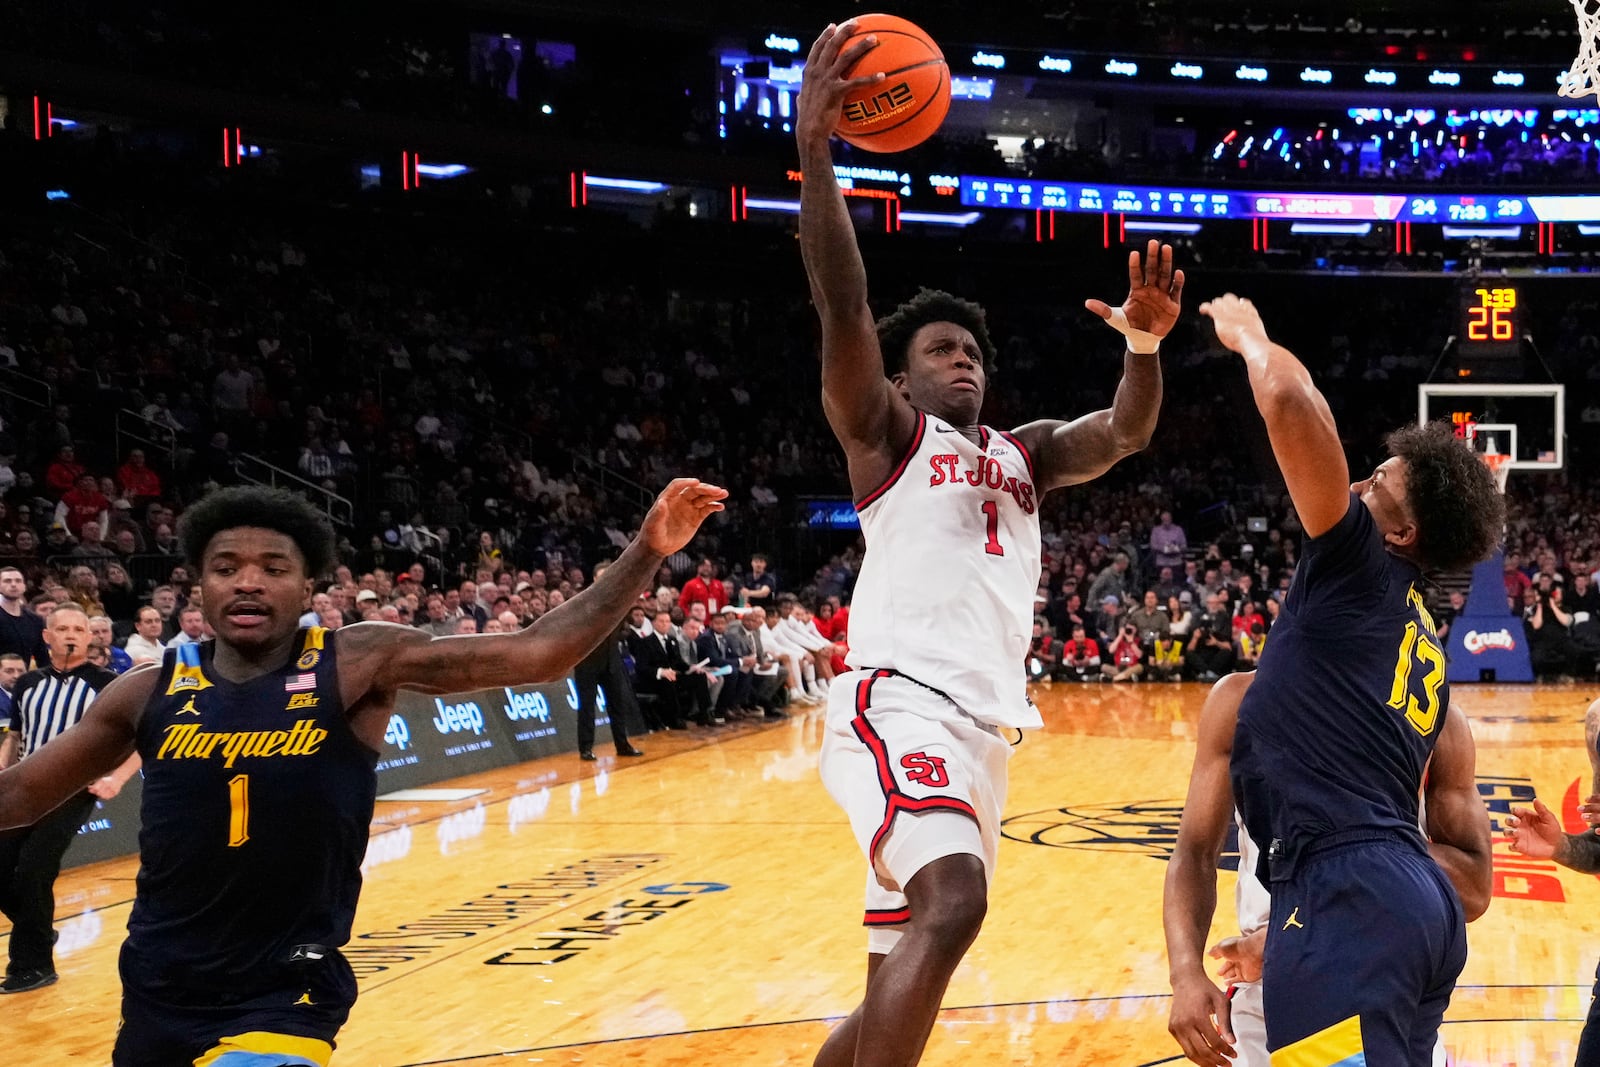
(1334, 735)
(257, 803)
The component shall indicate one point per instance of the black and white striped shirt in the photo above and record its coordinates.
(46, 702)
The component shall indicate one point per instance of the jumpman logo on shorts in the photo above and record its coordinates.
(305, 998)
(1294, 921)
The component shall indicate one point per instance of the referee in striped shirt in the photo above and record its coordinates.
(45, 702)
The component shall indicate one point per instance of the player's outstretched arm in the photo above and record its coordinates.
(865, 412)
(1458, 824)
(100, 742)
(378, 658)
(1536, 833)
(1190, 898)
(1068, 453)
(1304, 437)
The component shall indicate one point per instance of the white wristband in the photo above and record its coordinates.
(1140, 342)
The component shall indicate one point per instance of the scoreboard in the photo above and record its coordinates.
(1199, 204)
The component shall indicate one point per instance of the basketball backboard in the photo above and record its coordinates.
(1525, 422)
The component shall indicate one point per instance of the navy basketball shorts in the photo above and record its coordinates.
(1366, 941)
(292, 1025)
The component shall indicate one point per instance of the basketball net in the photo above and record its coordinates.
(1499, 465)
(1584, 77)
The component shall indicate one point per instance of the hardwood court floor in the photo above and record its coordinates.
(719, 921)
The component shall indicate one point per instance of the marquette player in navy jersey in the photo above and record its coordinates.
(942, 614)
(259, 751)
(1211, 1026)
(1366, 935)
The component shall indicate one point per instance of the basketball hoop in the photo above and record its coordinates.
(1499, 465)
(1584, 77)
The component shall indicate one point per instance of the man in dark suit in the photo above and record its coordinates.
(713, 647)
(660, 669)
(602, 669)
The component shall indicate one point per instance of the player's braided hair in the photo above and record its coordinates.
(254, 505)
(896, 329)
(1459, 511)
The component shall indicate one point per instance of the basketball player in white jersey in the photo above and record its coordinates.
(942, 613)
(1216, 1028)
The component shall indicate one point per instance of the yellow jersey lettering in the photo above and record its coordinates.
(301, 701)
(234, 747)
(275, 742)
(1414, 598)
(188, 741)
(176, 738)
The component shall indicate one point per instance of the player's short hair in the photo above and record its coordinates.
(270, 509)
(896, 329)
(4, 656)
(1459, 510)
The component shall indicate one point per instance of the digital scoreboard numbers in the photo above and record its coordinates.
(1490, 326)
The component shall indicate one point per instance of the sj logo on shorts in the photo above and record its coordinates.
(924, 769)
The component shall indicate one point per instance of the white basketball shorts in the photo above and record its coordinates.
(919, 779)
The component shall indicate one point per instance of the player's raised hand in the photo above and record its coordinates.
(1154, 294)
(1237, 321)
(1199, 1022)
(1241, 956)
(824, 86)
(677, 514)
(1535, 832)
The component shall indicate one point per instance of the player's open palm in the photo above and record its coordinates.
(677, 514)
(1236, 319)
(1535, 832)
(824, 86)
(1199, 1022)
(1155, 292)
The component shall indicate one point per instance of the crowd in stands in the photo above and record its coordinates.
(495, 407)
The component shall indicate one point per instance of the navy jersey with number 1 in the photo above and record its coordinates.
(1328, 758)
(257, 802)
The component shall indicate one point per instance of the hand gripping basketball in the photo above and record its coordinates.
(825, 84)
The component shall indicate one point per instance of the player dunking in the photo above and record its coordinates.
(1366, 935)
(259, 752)
(1211, 1026)
(942, 617)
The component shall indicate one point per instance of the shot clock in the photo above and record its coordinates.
(1489, 328)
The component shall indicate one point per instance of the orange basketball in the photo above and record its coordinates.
(907, 106)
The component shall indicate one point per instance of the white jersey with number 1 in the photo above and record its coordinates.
(945, 595)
